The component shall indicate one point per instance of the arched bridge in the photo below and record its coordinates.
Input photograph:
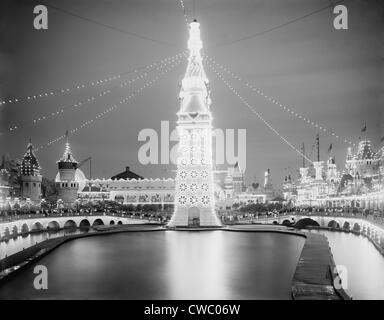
(363, 226)
(32, 224)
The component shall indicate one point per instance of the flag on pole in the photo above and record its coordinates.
(364, 128)
(330, 148)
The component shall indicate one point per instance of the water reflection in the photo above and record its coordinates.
(20, 242)
(364, 263)
(167, 265)
(191, 262)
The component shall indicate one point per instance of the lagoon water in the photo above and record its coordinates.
(190, 265)
(166, 265)
(364, 263)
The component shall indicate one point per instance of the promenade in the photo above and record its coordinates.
(315, 272)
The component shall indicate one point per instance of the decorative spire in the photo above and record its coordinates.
(67, 155)
(194, 93)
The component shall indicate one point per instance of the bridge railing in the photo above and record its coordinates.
(374, 219)
(67, 214)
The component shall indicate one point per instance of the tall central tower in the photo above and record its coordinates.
(194, 200)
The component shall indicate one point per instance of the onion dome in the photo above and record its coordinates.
(30, 165)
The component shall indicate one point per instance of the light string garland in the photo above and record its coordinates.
(76, 87)
(91, 99)
(184, 12)
(111, 108)
(245, 102)
(292, 112)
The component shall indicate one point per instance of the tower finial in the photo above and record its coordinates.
(67, 156)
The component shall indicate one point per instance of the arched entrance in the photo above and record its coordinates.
(194, 217)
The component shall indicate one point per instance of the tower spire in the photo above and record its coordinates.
(194, 199)
(194, 92)
(68, 155)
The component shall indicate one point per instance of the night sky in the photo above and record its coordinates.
(332, 77)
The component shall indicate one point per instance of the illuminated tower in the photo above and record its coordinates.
(30, 176)
(66, 184)
(194, 200)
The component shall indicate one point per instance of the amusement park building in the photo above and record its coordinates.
(359, 185)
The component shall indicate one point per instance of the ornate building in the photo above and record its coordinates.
(359, 185)
(140, 191)
(30, 176)
(194, 194)
(66, 183)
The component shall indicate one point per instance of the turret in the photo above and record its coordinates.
(66, 184)
(30, 176)
(318, 165)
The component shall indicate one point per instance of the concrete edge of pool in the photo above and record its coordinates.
(313, 278)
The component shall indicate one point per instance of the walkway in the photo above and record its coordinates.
(314, 276)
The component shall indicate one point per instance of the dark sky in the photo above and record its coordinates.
(332, 77)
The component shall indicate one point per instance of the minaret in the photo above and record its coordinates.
(66, 185)
(30, 176)
(194, 200)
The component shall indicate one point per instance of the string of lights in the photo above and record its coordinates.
(184, 12)
(282, 106)
(245, 102)
(91, 99)
(110, 108)
(77, 87)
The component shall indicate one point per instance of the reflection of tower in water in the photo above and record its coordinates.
(194, 200)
